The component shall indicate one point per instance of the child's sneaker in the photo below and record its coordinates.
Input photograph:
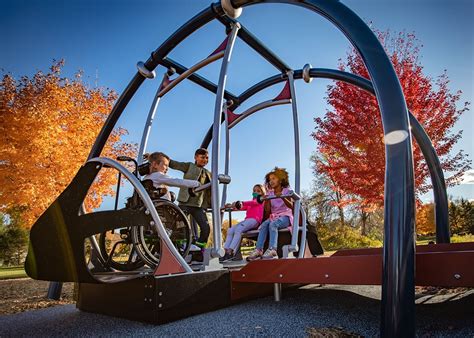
(255, 254)
(226, 258)
(194, 248)
(270, 254)
(201, 244)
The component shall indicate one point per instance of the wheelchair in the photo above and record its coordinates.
(135, 247)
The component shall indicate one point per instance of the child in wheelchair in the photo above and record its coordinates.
(158, 168)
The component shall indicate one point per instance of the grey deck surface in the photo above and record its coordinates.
(310, 306)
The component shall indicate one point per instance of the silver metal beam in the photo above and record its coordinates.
(148, 204)
(216, 129)
(256, 108)
(297, 205)
(191, 71)
(303, 234)
(149, 121)
(227, 155)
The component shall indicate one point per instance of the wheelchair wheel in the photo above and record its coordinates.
(118, 250)
(176, 226)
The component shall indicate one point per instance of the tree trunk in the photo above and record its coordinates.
(364, 216)
(341, 215)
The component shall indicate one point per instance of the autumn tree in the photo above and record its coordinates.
(48, 124)
(425, 219)
(326, 191)
(350, 136)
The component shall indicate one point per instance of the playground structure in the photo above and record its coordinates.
(162, 286)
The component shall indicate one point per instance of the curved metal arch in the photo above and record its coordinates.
(256, 108)
(163, 90)
(199, 20)
(421, 137)
(150, 207)
(398, 289)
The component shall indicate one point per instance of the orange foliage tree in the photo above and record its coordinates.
(425, 219)
(48, 124)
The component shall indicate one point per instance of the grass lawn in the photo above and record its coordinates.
(12, 272)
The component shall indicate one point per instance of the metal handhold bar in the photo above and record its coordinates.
(290, 194)
(223, 179)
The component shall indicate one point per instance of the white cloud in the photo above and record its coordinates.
(468, 177)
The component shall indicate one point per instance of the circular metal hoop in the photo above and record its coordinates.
(144, 71)
(229, 10)
(306, 77)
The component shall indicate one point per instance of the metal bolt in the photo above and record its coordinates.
(457, 276)
(146, 299)
(281, 276)
(160, 293)
(243, 275)
(160, 305)
(97, 166)
(326, 275)
(152, 223)
(147, 212)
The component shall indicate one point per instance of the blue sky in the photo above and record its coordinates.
(106, 38)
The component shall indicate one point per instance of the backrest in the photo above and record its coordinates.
(154, 193)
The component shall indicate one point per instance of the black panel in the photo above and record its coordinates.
(158, 299)
(56, 250)
(131, 299)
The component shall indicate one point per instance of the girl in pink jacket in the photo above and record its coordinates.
(252, 220)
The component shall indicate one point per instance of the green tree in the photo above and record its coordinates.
(466, 216)
(13, 238)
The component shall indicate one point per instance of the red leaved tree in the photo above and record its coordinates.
(350, 136)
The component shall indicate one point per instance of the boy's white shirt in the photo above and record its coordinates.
(161, 180)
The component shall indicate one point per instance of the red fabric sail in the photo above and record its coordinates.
(221, 47)
(231, 116)
(285, 93)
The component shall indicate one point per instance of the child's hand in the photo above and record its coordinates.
(163, 190)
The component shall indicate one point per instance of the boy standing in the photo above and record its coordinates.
(196, 205)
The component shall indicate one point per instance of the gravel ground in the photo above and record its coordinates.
(300, 310)
(24, 294)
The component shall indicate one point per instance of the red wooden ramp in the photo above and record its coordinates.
(436, 265)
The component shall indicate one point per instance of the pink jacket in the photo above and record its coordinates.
(254, 210)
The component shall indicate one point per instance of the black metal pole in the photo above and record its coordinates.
(54, 290)
(117, 193)
(398, 275)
